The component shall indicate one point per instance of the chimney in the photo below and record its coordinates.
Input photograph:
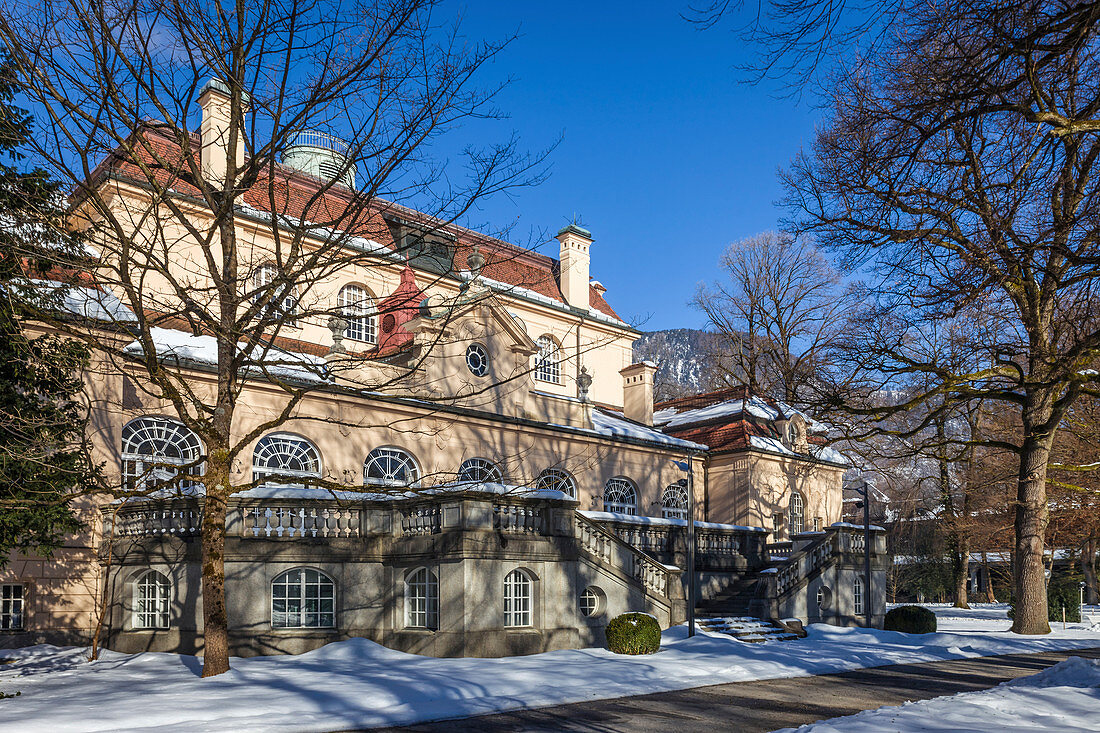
(638, 391)
(214, 130)
(573, 275)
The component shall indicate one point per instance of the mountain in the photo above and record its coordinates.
(681, 358)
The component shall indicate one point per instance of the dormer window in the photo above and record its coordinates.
(283, 301)
(357, 308)
(794, 434)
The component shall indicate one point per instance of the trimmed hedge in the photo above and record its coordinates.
(633, 633)
(910, 620)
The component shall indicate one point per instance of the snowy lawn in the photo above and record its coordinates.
(357, 683)
(1065, 698)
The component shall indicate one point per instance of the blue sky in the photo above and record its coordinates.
(666, 156)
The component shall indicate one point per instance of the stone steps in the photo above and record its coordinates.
(745, 628)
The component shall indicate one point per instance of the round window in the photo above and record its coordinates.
(591, 601)
(389, 322)
(824, 597)
(477, 359)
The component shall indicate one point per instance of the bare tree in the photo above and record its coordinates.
(180, 215)
(952, 198)
(777, 312)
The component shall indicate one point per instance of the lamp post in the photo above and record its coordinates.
(685, 466)
(865, 492)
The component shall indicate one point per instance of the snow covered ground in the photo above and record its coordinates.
(1065, 698)
(357, 683)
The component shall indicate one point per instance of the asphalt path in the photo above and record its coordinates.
(766, 704)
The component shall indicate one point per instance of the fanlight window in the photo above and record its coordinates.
(152, 594)
(283, 455)
(479, 470)
(357, 309)
(797, 514)
(547, 363)
(517, 599)
(674, 502)
(619, 495)
(390, 467)
(555, 479)
(422, 600)
(303, 598)
(283, 300)
(156, 450)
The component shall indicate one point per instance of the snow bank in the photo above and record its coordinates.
(1065, 697)
(359, 684)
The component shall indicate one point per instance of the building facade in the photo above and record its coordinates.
(472, 466)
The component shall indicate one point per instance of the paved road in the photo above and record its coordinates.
(767, 704)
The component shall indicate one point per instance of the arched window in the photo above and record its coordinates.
(357, 308)
(303, 598)
(390, 467)
(857, 596)
(619, 495)
(422, 600)
(480, 471)
(797, 514)
(156, 450)
(547, 363)
(285, 455)
(282, 300)
(517, 599)
(555, 479)
(152, 593)
(674, 501)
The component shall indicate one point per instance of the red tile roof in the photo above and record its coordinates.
(296, 195)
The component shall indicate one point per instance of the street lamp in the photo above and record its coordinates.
(868, 593)
(685, 466)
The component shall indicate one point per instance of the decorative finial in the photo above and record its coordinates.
(475, 261)
(338, 326)
(584, 382)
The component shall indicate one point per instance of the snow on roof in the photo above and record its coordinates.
(276, 362)
(662, 521)
(284, 492)
(605, 423)
(832, 455)
(529, 294)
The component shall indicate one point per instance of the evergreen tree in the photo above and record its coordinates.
(44, 461)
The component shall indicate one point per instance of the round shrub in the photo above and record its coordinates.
(633, 633)
(910, 620)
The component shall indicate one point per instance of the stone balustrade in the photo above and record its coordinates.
(819, 549)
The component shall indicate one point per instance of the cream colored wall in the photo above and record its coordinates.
(602, 348)
(749, 487)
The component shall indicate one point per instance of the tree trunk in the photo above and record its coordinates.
(1088, 569)
(962, 571)
(990, 596)
(215, 658)
(1030, 615)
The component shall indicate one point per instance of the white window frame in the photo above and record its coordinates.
(477, 360)
(285, 303)
(299, 619)
(357, 308)
(557, 479)
(796, 520)
(591, 602)
(620, 495)
(390, 461)
(287, 455)
(152, 601)
(480, 471)
(674, 501)
(13, 607)
(422, 600)
(519, 610)
(857, 596)
(156, 449)
(548, 360)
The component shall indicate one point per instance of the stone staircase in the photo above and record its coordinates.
(745, 598)
(745, 628)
